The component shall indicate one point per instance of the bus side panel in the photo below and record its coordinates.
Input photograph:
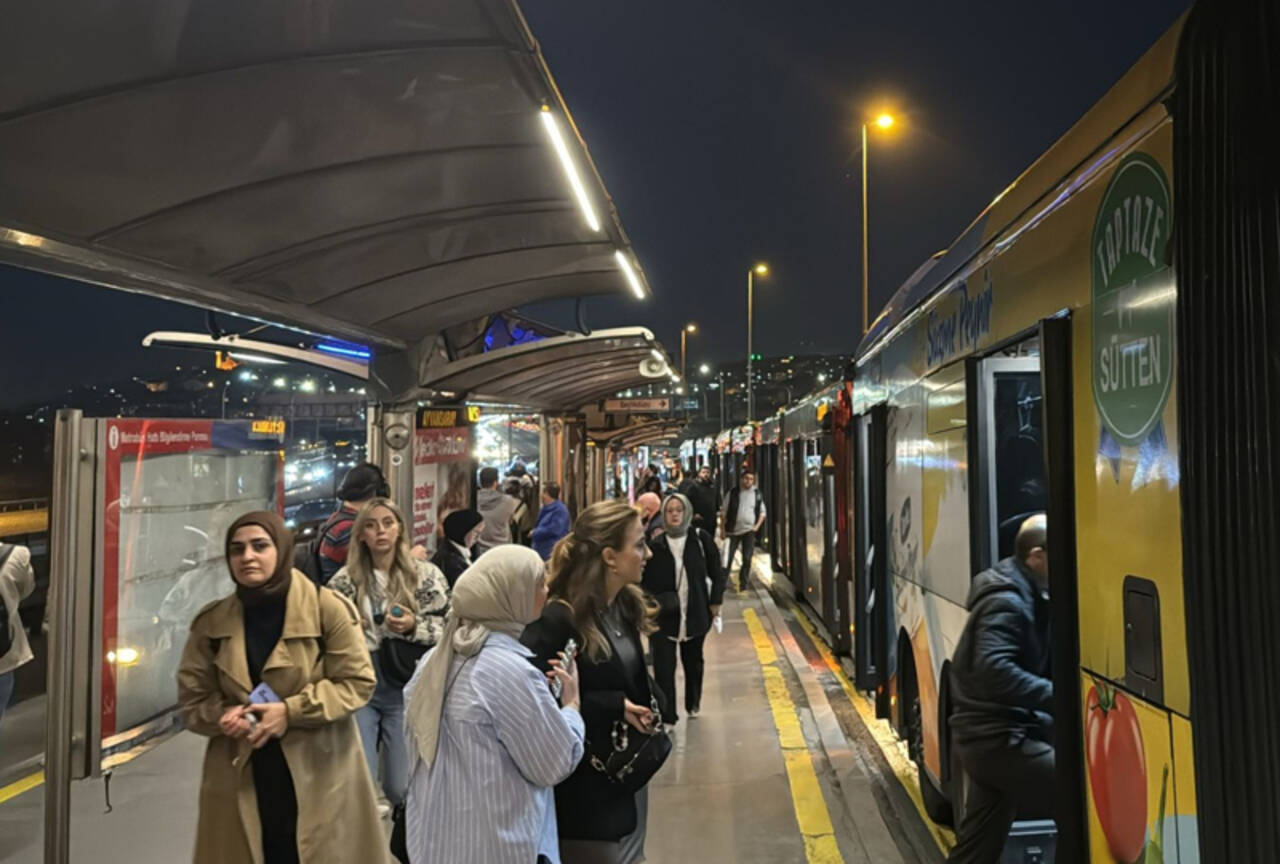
(1128, 748)
(1128, 511)
(946, 577)
(903, 509)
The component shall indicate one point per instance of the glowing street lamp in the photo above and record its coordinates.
(688, 328)
(760, 269)
(883, 121)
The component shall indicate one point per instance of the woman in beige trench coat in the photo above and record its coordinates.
(307, 646)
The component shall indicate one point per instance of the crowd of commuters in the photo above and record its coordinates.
(493, 703)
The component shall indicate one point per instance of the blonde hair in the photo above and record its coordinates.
(577, 575)
(402, 577)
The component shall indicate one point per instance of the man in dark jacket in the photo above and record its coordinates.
(703, 498)
(1002, 698)
(362, 484)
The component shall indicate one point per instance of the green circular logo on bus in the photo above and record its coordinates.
(1133, 297)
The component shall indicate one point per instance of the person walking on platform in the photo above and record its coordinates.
(461, 531)
(553, 521)
(497, 508)
(702, 496)
(685, 577)
(489, 740)
(744, 514)
(650, 514)
(651, 481)
(402, 602)
(17, 581)
(272, 674)
(597, 601)
(362, 484)
(1002, 697)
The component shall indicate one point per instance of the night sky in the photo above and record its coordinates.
(726, 133)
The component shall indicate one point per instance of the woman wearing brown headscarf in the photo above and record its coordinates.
(272, 768)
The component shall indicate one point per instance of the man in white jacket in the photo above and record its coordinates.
(16, 582)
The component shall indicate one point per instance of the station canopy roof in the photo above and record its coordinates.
(373, 170)
(561, 373)
(638, 434)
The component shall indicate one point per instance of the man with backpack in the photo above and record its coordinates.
(16, 582)
(744, 514)
(362, 484)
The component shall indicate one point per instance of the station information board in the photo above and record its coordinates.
(441, 468)
(170, 489)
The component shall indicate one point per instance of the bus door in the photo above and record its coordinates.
(780, 519)
(796, 490)
(835, 595)
(764, 482)
(815, 535)
(873, 655)
(1011, 481)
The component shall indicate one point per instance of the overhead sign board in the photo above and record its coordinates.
(448, 418)
(637, 406)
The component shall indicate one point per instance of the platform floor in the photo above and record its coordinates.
(778, 768)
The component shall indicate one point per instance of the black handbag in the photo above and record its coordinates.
(397, 660)
(633, 757)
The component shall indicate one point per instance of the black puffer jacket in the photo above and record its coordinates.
(1000, 687)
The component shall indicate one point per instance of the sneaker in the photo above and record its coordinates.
(693, 712)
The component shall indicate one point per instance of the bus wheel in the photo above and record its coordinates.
(935, 801)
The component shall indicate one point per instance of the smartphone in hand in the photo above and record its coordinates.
(566, 659)
(263, 694)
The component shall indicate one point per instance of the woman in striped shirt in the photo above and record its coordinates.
(490, 742)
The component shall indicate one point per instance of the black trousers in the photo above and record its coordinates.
(664, 671)
(1003, 782)
(748, 543)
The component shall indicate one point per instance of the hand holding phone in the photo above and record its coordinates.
(263, 694)
(567, 666)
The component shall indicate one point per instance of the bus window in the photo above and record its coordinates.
(1013, 475)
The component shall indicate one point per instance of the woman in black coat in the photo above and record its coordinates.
(461, 529)
(684, 559)
(595, 599)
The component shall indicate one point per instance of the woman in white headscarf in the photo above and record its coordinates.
(489, 741)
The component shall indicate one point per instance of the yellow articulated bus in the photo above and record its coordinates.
(1098, 345)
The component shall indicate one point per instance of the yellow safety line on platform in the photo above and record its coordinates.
(806, 795)
(902, 766)
(26, 784)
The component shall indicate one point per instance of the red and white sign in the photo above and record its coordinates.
(441, 479)
(129, 568)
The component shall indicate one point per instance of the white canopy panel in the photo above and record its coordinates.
(371, 169)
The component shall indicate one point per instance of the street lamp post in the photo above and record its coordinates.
(688, 328)
(763, 270)
(884, 121)
(722, 421)
(684, 333)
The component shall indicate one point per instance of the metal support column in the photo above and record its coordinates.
(64, 556)
(563, 457)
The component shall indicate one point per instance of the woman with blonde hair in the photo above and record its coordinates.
(596, 600)
(402, 601)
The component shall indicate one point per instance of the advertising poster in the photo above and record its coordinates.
(170, 490)
(441, 470)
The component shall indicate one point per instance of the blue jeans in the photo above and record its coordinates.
(381, 724)
(6, 691)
